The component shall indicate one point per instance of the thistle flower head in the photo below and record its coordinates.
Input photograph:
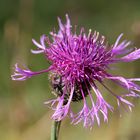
(78, 63)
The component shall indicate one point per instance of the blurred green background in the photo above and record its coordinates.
(22, 113)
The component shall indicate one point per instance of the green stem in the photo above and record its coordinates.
(55, 130)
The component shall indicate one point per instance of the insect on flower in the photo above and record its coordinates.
(78, 63)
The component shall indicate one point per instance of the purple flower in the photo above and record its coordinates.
(78, 63)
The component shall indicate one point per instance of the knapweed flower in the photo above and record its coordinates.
(78, 63)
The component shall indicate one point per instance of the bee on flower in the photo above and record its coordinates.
(78, 63)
